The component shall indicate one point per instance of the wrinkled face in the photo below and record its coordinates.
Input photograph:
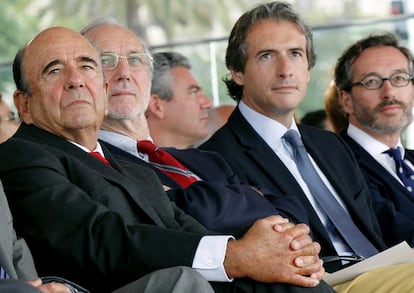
(129, 86)
(66, 80)
(186, 114)
(276, 74)
(384, 110)
(8, 121)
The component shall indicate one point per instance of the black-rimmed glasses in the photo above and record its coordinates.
(374, 81)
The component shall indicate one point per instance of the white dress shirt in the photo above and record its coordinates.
(271, 132)
(210, 253)
(376, 148)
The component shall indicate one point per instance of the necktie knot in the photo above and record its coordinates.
(100, 158)
(293, 138)
(394, 153)
(147, 147)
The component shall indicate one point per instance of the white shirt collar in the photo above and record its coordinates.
(98, 148)
(373, 146)
(269, 129)
(123, 142)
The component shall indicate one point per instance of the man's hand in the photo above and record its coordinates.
(50, 287)
(274, 250)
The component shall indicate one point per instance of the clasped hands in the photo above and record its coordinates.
(275, 250)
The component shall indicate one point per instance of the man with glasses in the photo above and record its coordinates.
(374, 77)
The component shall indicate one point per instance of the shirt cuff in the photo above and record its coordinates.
(209, 258)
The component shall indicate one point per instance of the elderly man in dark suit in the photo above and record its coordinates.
(269, 55)
(375, 79)
(111, 222)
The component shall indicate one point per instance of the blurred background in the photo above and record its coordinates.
(199, 30)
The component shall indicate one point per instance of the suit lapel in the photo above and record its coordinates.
(268, 162)
(116, 175)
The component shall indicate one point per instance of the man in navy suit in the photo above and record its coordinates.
(269, 55)
(374, 77)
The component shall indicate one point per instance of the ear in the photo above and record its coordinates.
(155, 107)
(345, 98)
(22, 103)
(237, 76)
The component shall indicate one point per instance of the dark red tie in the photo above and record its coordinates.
(167, 163)
(100, 158)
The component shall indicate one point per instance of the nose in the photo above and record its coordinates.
(284, 68)
(388, 89)
(74, 80)
(123, 71)
(205, 102)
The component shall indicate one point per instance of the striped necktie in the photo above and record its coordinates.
(167, 164)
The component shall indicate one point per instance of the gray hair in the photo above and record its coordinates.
(109, 20)
(161, 78)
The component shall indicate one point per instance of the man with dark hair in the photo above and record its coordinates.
(375, 79)
(269, 55)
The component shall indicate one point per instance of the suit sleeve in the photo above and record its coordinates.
(22, 260)
(63, 224)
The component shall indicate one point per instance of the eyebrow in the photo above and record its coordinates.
(58, 61)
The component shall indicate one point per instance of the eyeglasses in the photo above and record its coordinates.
(134, 60)
(374, 81)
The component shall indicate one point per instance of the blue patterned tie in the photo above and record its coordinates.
(404, 172)
(3, 274)
(325, 199)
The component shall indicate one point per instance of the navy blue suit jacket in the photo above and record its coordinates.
(392, 202)
(220, 202)
(253, 160)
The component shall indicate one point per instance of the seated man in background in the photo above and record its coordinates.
(375, 79)
(178, 109)
(110, 222)
(212, 191)
(8, 121)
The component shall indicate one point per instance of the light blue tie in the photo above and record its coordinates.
(3, 274)
(325, 199)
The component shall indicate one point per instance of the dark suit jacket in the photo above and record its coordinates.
(254, 161)
(86, 221)
(392, 202)
(220, 202)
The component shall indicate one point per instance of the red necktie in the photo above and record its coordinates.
(100, 158)
(167, 163)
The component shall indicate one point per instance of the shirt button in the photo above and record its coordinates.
(210, 262)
